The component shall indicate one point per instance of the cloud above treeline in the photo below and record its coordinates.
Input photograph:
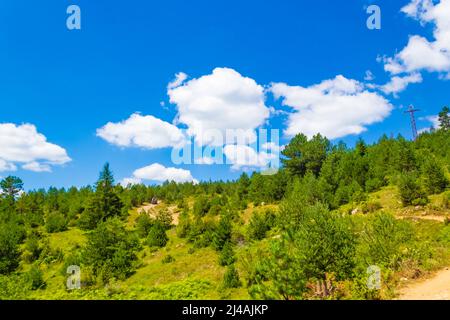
(23, 146)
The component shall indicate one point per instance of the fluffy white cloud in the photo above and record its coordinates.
(219, 101)
(417, 8)
(37, 167)
(434, 120)
(420, 53)
(7, 166)
(23, 144)
(142, 131)
(335, 108)
(130, 181)
(157, 172)
(244, 156)
(180, 77)
(398, 84)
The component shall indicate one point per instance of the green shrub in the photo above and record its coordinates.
(56, 222)
(226, 256)
(49, 254)
(384, 240)
(447, 221)
(33, 249)
(411, 192)
(111, 251)
(182, 204)
(164, 217)
(201, 206)
(445, 202)
(36, 278)
(143, 225)
(360, 289)
(320, 245)
(14, 287)
(370, 207)
(444, 235)
(168, 259)
(231, 278)
(157, 236)
(222, 233)
(260, 224)
(202, 233)
(9, 248)
(74, 259)
(434, 177)
(184, 225)
(374, 184)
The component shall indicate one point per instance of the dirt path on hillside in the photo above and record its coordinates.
(435, 288)
(152, 210)
(429, 217)
(149, 208)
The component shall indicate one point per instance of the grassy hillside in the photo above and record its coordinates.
(195, 274)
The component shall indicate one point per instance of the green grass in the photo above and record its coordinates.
(196, 274)
(67, 240)
(192, 275)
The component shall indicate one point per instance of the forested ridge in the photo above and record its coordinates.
(310, 231)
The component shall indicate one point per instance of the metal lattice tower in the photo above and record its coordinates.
(411, 112)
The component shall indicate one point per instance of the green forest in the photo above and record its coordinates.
(310, 231)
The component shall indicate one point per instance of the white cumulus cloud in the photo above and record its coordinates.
(37, 167)
(142, 131)
(335, 108)
(421, 53)
(244, 156)
(130, 181)
(23, 144)
(159, 173)
(219, 101)
(7, 166)
(434, 120)
(180, 77)
(398, 83)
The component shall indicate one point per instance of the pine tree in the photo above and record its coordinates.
(223, 233)
(435, 180)
(111, 250)
(11, 187)
(243, 185)
(184, 224)
(301, 155)
(9, 248)
(444, 119)
(143, 225)
(157, 236)
(226, 256)
(104, 203)
(411, 192)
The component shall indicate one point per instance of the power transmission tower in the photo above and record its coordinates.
(411, 110)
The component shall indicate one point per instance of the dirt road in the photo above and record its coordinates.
(429, 217)
(435, 288)
(152, 209)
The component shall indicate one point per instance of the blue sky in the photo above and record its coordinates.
(70, 83)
